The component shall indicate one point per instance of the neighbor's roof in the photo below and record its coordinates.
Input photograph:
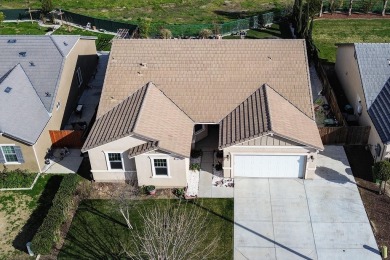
(147, 114)
(22, 113)
(380, 113)
(42, 62)
(267, 112)
(374, 66)
(207, 79)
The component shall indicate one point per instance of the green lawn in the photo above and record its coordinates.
(22, 28)
(327, 33)
(168, 11)
(98, 229)
(21, 214)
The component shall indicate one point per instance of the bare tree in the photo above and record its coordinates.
(384, 7)
(165, 33)
(173, 232)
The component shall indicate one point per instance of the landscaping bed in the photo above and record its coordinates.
(377, 206)
(98, 230)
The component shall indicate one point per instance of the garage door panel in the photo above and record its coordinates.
(269, 166)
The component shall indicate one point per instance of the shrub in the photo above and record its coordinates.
(179, 192)
(48, 232)
(205, 33)
(16, 178)
(196, 153)
(381, 171)
(195, 166)
(150, 188)
(165, 33)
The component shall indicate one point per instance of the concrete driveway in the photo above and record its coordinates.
(323, 218)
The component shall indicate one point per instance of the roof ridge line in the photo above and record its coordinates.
(146, 86)
(288, 102)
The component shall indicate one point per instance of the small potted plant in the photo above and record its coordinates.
(151, 189)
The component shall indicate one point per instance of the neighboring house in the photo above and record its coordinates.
(160, 96)
(41, 78)
(364, 72)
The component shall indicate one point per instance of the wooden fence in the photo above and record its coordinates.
(348, 135)
(67, 138)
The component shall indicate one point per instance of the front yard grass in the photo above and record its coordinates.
(326, 33)
(21, 214)
(98, 229)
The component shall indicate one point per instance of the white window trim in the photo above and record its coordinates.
(79, 76)
(109, 165)
(152, 158)
(1, 150)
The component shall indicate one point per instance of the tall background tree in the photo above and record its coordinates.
(384, 7)
(47, 6)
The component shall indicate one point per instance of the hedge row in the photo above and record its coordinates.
(49, 231)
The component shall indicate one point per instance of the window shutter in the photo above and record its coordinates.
(2, 159)
(19, 154)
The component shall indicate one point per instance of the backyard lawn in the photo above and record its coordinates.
(22, 28)
(327, 33)
(22, 212)
(98, 230)
(167, 11)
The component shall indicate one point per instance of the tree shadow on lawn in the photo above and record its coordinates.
(36, 218)
(95, 235)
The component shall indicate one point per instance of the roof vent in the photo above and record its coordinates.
(143, 64)
(269, 58)
(32, 64)
(7, 89)
(388, 61)
(11, 41)
(22, 54)
(47, 94)
(66, 44)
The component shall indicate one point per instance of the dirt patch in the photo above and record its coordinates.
(353, 16)
(14, 214)
(377, 206)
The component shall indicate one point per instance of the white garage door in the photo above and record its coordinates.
(269, 166)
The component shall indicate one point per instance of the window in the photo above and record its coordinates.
(115, 161)
(160, 167)
(11, 154)
(79, 76)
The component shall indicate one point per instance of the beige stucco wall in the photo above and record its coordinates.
(140, 164)
(348, 73)
(28, 155)
(82, 47)
(98, 160)
(283, 147)
(177, 171)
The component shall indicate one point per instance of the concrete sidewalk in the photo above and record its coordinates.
(322, 218)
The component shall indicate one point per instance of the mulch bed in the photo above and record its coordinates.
(377, 206)
(338, 15)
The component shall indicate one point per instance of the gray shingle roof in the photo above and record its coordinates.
(42, 62)
(380, 113)
(373, 61)
(21, 108)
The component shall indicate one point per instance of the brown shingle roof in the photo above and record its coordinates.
(266, 111)
(148, 114)
(207, 79)
(143, 148)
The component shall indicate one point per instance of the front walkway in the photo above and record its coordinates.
(208, 145)
(323, 218)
